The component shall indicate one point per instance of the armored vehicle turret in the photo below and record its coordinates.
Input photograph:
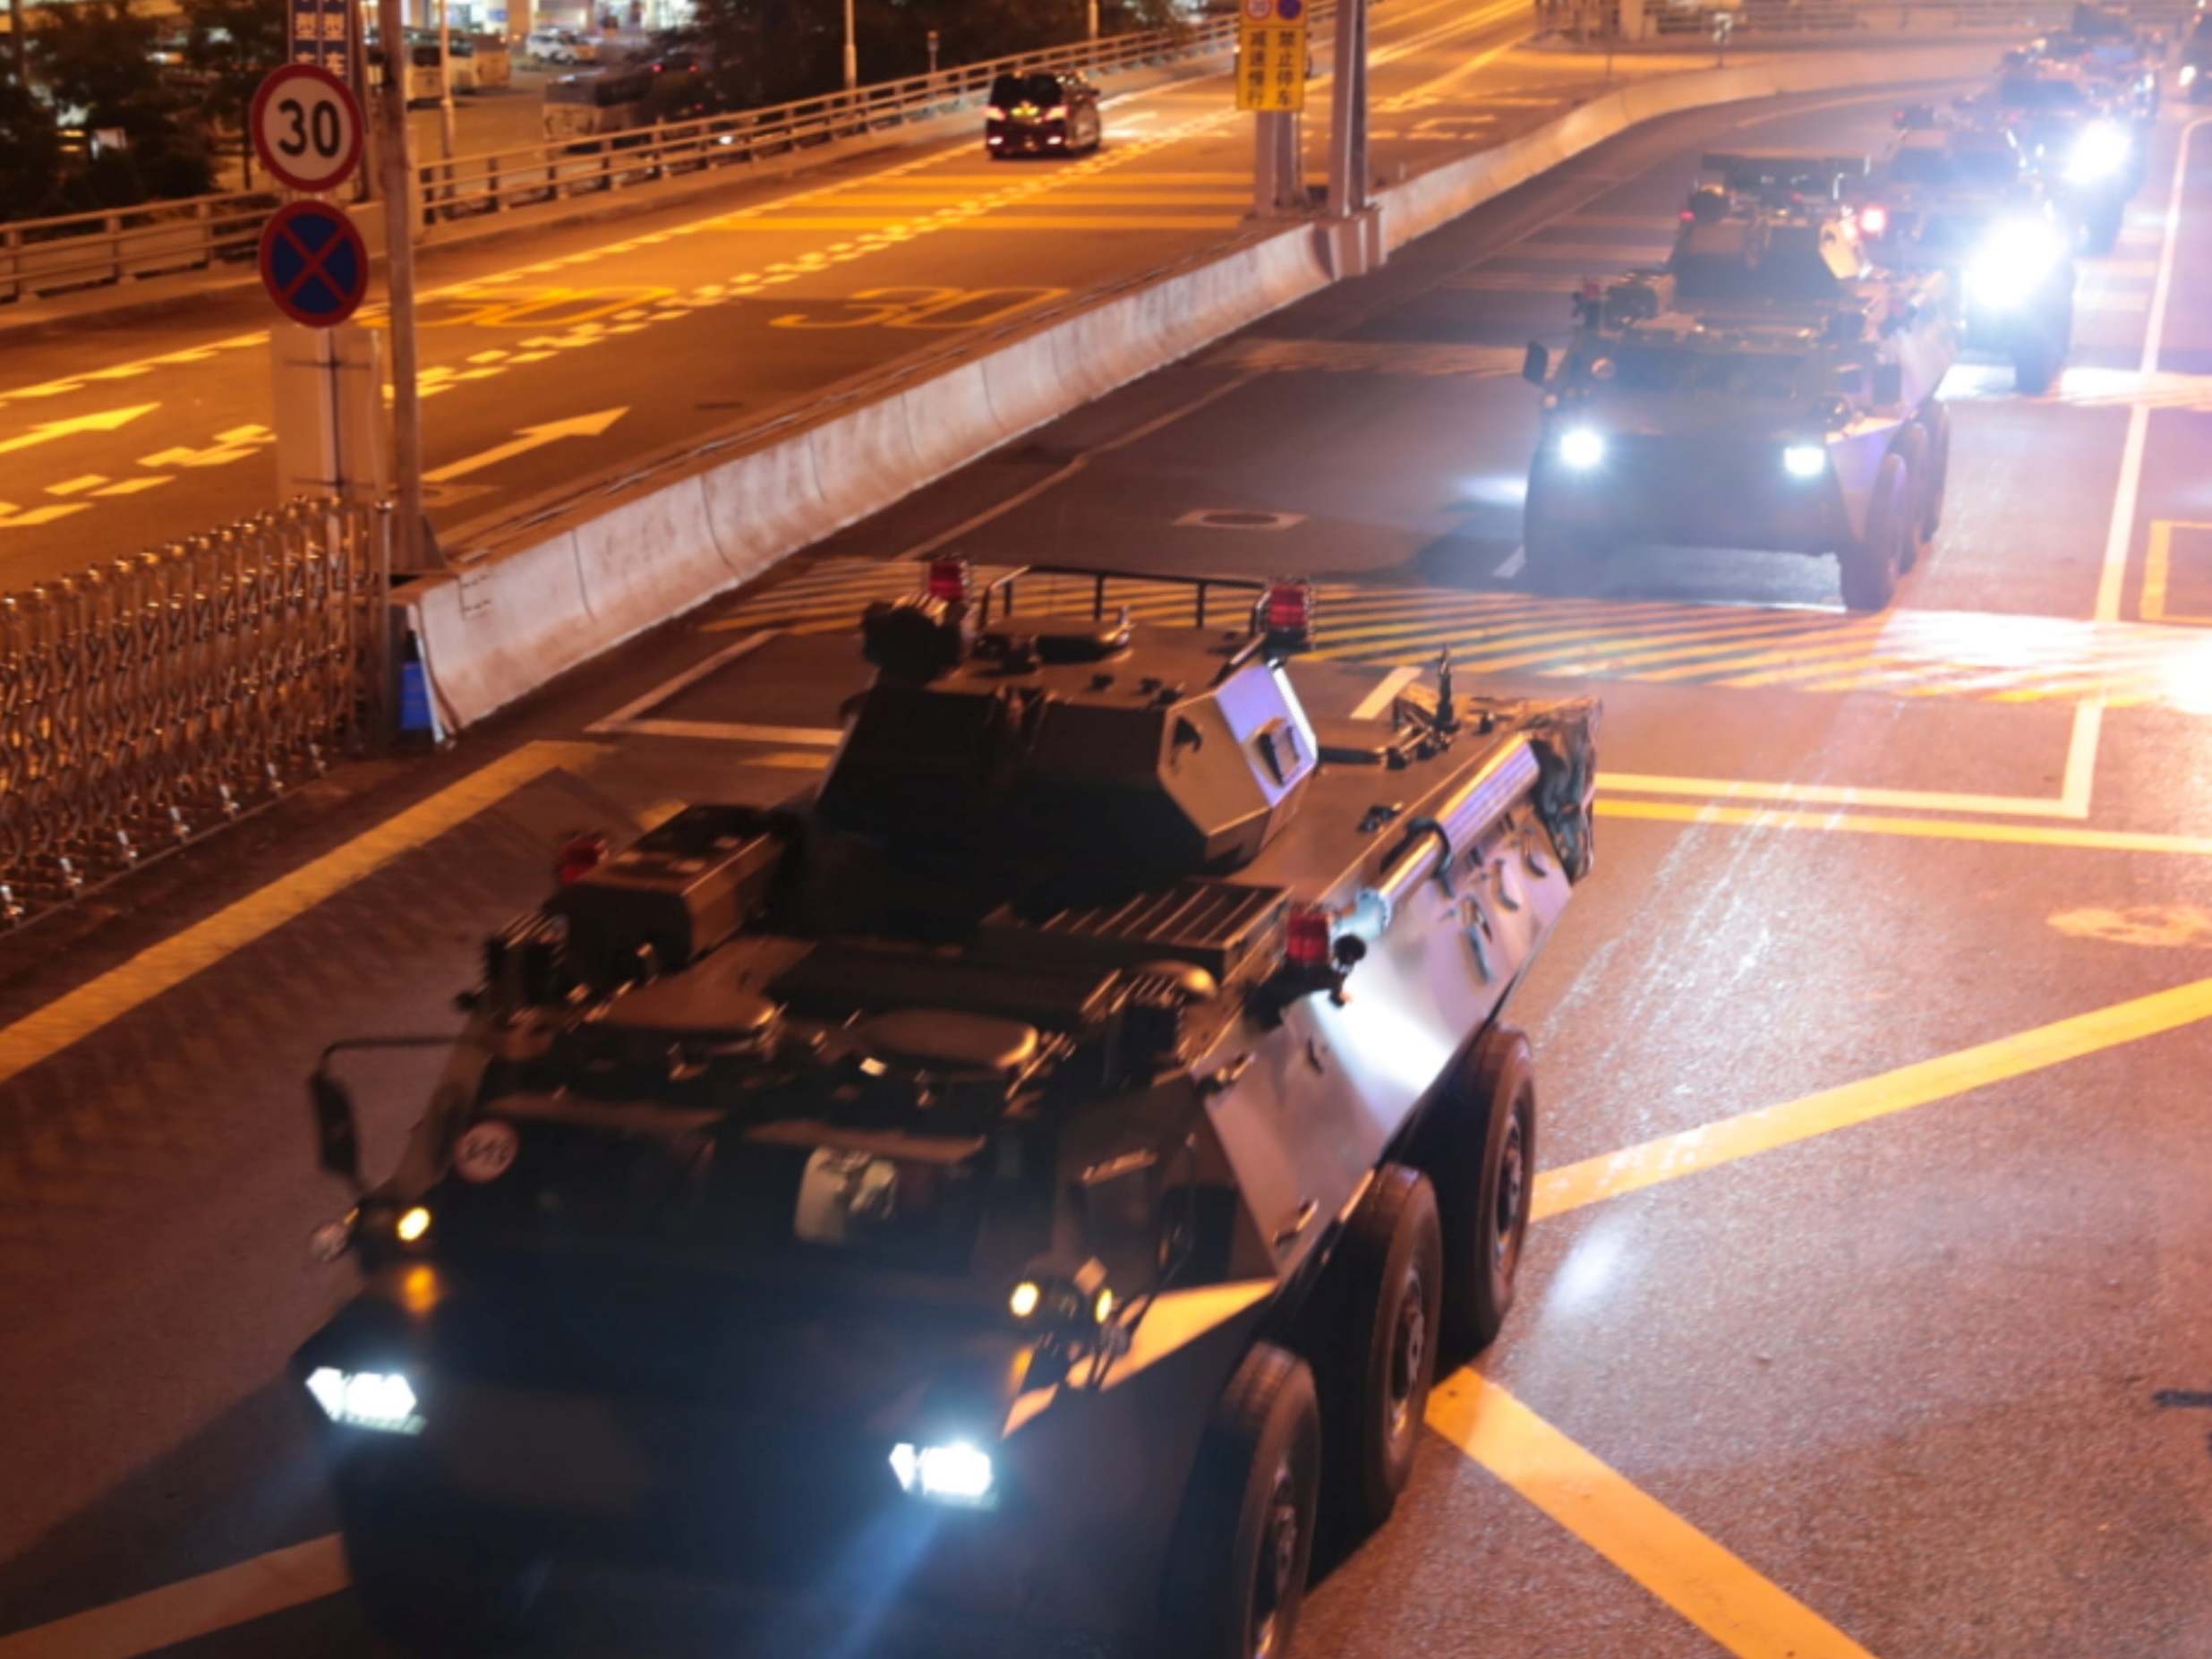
(1768, 387)
(1015, 1179)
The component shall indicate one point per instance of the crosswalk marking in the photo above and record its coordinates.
(1959, 655)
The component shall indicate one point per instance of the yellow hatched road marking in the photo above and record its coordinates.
(77, 1015)
(1922, 1083)
(177, 1613)
(2158, 560)
(1710, 1586)
(1925, 829)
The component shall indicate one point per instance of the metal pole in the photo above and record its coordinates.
(1347, 117)
(20, 40)
(932, 51)
(1090, 31)
(445, 86)
(408, 554)
(852, 53)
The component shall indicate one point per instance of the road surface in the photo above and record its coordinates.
(1864, 1314)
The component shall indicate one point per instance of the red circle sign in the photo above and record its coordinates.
(313, 264)
(306, 127)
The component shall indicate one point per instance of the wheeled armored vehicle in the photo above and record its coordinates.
(1958, 198)
(1023, 1180)
(1767, 389)
(2088, 148)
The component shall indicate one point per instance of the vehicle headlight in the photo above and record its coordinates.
(956, 1472)
(2101, 151)
(2011, 263)
(366, 1399)
(1805, 460)
(1582, 447)
(2189, 74)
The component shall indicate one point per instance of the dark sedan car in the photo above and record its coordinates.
(1044, 114)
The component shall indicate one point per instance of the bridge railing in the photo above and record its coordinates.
(87, 250)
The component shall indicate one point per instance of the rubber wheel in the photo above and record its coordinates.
(1869, 566)
(1553, 556)
(1911, 447)
(1937, 421)
(1480, 1152)
(436, 1590)
(1244, 1545)
(1393, 1250)
(2100, 230)
(2035, 365)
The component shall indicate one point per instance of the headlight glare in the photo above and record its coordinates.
(2189, 74)
(1805, 460)
(956, 1473)
(2101, 151)
(366, 1399)
(1582, 447)
(2011, 263)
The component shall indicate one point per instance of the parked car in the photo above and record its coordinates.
(560, 46)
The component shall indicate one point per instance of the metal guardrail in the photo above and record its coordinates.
(89, 249)
(147, 701)
(1752, 21)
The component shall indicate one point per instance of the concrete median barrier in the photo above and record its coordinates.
(574, 577)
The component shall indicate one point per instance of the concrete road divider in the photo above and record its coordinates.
(570, 578)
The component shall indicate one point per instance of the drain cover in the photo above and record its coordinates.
(1230, 518)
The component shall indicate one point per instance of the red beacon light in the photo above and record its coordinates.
(947, 579)
(1306, 940)
(1285, 615)
(580, 854)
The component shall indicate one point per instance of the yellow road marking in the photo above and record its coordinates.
(1928, 829)
(1055, 221)
(70, 1018)
(2157, 559)
(1921, 1083)
(177, 1613)
(1711, 1588)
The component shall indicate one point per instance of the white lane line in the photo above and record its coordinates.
(178, 1612)
(1516, 562)
(621, 717)
(1385, 688)
(2111, 580)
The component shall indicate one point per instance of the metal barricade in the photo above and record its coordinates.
(147, 701)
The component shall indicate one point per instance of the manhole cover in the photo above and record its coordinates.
(1232, 518)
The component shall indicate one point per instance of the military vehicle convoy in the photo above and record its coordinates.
(1766, 389)
(1029, 1179)
(1958, 198)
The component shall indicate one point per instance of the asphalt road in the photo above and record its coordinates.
(1884, 1334)
(604, 342)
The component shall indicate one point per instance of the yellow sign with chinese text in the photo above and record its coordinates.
(1271, 63)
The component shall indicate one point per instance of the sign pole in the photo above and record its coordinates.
(1347, 124)
(409, 555)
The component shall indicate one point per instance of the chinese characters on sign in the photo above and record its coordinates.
(320, 36)
(1272, 54)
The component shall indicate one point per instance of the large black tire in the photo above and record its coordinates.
(1393, 1255)
(1935, 419)
(1869, 566)
(1244, 1545)
(1480, 1149)
(1553, 558)
(436, 1590)
(2100, 226)
(2035, 365)
(1911, 447)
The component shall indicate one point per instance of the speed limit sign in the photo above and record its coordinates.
(306, 127)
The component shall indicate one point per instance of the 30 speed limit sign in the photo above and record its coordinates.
(306, 127)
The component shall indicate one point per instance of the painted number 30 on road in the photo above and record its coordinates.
(306, 127)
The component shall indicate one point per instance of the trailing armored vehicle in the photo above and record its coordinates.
(1958, 198)
(1767, 389)
(1026, 1179)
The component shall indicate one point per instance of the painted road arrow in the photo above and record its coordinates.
(526, 439)
(46, 432)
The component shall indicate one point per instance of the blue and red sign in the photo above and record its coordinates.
(313, 264)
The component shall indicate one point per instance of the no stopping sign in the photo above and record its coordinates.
(306, 127)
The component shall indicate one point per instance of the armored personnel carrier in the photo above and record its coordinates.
(1025, 1179)
(1958, 198)
(1768, 389)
